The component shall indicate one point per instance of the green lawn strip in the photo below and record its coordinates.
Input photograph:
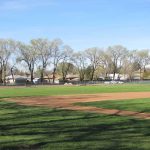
(66, 90)
(24, 127)
(139, 105)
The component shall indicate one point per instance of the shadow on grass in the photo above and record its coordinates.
(36, 128)
(141, 105)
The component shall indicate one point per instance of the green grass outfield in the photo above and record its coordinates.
(37, 128)
(40, 128)
(64, 90)
(139, 105)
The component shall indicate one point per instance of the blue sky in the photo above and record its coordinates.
(79, 23)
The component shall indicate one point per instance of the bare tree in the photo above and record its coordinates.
(94, 57)
(56, 54)
(44, 50)
(106, 64)
(7, 47)
(66, 62)
(143, 59)
(80, 62)
(117, 54)
(130, 64)
(29, 55)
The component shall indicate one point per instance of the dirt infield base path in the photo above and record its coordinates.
(67, 101)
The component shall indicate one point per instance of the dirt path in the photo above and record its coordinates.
(67, 101)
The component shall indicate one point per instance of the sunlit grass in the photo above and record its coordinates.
(65, 90)
(139, 105)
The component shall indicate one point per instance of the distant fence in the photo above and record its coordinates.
(103, 82)
(81, 83)
(139, 81)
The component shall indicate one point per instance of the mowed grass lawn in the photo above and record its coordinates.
(65, 90)
(37, 128)
(41, 128)
(139, 105)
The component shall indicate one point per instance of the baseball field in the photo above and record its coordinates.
(107, 117)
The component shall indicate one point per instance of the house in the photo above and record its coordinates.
(72, 77)
(17, 79)
(118, 76)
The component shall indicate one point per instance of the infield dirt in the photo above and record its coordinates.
(67, 102)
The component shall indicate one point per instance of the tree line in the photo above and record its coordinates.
(41, 54)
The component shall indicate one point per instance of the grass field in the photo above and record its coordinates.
(41, 128)
(140, 105)
(23, 127)
(65, 90)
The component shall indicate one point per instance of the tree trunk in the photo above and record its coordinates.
(63, 76)
(4, 75)
(114, 70)
(1, 76)
(49, 80)
(130, 77)
(114, 73)
(32, 76)
(140, 74)
(42, 75)
(81, 76)
(92, 75)
(12, 74)
(106, 75)
(54, 72)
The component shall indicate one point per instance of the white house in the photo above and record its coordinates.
(118, 76)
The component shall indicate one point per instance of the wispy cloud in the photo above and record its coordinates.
(17, 5)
